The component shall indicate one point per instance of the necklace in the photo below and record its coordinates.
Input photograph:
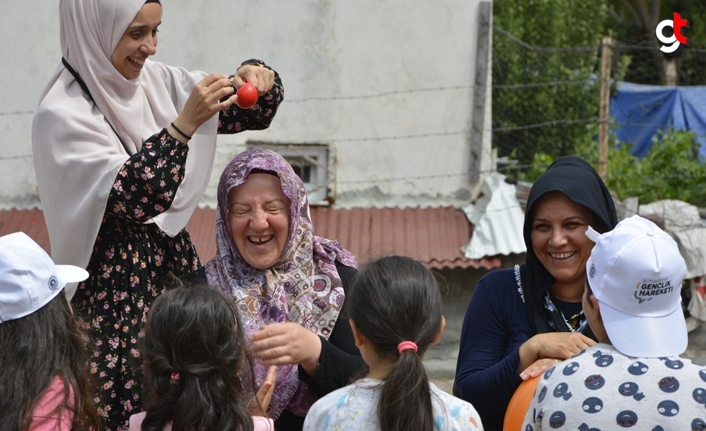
(576, 323)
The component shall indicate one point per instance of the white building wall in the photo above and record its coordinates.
(388, 84)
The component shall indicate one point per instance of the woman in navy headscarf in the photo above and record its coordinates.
(521, 321)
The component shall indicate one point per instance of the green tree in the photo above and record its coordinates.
(633, 24)
(670, 170)
(546, 55)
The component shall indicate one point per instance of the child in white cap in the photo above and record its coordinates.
(634, 377)
(44, 380)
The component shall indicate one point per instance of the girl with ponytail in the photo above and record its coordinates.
(395, 313)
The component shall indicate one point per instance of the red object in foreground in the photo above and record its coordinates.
(247, 95)
(519, 403)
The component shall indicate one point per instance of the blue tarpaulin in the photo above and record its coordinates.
(639, 111)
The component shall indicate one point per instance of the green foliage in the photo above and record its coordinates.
(546, 67)
(544, 82)
(636, 39)
(670, 170)
(539, 163)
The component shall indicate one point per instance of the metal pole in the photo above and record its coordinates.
(606, 54)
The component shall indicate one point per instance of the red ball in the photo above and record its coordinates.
(247, 95)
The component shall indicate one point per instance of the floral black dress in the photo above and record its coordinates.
(131, 259)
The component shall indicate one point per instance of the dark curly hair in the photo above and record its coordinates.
(194, 359)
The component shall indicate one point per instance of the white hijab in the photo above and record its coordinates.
(77, 155)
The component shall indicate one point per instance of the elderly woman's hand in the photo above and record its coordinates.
(259, 76)
(286, 343)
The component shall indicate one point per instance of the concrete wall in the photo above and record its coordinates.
(388, 84)
(457, 287)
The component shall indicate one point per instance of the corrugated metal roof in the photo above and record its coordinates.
(434, 236)
(30, 222)
(498, 219)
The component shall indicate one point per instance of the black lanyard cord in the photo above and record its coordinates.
(84, 87)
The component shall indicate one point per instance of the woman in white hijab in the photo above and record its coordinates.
(123, 149)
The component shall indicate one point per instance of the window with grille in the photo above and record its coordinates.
(311, 164)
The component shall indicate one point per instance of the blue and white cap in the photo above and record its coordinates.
(29, 279)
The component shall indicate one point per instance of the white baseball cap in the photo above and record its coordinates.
(635, 272)
(29, 279)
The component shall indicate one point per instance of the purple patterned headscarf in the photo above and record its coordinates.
(303, 287)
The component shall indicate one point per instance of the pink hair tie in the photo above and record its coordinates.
(175, 376)
(406, 345)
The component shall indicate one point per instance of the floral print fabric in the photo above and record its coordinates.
(132, 257)
(127, 268)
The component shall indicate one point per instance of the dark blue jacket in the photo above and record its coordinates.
(495, 326)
